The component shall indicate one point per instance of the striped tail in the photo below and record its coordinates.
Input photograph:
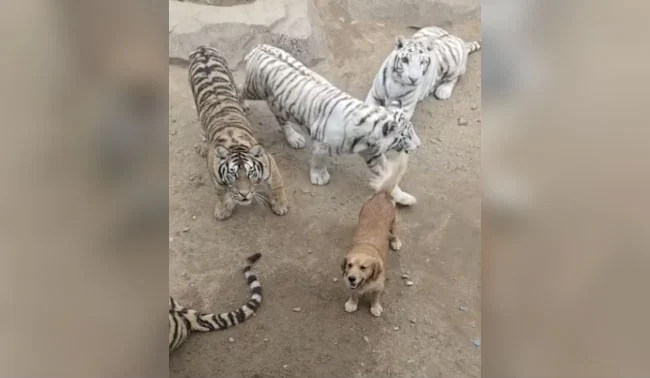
(212, 322)
(473, 46)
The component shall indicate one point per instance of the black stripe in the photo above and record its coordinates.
(231, 318)
(175, 335)
(354, 143)
(241, 316)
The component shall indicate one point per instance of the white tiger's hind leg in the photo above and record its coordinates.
(293, 137)
(320, 157)
(444, 90)
(378, 166)
(403, 198)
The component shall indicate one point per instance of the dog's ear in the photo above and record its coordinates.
(343, 264)
(376, 270)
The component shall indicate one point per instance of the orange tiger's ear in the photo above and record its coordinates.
(343, 264)
(376, 270)
(222, 152)
(257, 150)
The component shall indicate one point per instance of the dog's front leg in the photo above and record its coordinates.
(375, 306)
(352, 303)
(393, 239)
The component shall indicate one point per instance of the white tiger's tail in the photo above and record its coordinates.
(393, 175)
(473, 46)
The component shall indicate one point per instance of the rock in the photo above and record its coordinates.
(477, 342)
(193, 217)
(335, 279)
(231, 340)
(285, 366)
(413, 320)
(463, 308)
(405, 276)
(173, 132)
(266, 339)
(186, 229)
(366, 339)
(171, 239)
(293, 25)
(395, 328)
(410, 12)
(192, 178)
(462, 121)
(297, 309)
(409, 283)
(474, 106)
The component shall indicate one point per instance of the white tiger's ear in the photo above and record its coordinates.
(399, 43)
(429, 44)
(257, 150)
(389, 127)
(222, 152)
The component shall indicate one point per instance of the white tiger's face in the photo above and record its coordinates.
(399, 133)
(239, 172)
(411, 62)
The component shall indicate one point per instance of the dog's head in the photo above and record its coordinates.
(359, 269)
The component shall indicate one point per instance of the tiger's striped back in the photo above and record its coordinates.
(183, 321)
(339, 121)
(216, 96)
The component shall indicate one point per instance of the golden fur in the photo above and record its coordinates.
(364, 266)
(237, 163)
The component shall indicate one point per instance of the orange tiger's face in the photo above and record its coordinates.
(239, 171)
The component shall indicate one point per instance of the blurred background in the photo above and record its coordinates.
(565, 257)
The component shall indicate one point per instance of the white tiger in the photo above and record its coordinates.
(337, 122)
(430, 62)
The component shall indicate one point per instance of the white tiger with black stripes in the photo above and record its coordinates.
(337, 122)
(428, 63)
(183, 321)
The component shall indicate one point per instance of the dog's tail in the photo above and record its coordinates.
(393, 175)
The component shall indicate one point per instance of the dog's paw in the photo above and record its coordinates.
(376, 310)
(351, 306)
(395, 243)
(319, 177)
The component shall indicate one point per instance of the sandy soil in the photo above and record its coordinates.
(302, 250)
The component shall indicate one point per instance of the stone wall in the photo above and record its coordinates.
(410, 12)
(293, 25)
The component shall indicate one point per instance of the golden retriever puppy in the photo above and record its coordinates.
(364, 265)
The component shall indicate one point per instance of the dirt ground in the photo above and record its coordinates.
(423, 332)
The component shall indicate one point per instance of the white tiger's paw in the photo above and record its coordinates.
(376, 310)
(403, 198)
(319, 177)
(443, 92)
(351, 306)
(296, 140)
(395, 243)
